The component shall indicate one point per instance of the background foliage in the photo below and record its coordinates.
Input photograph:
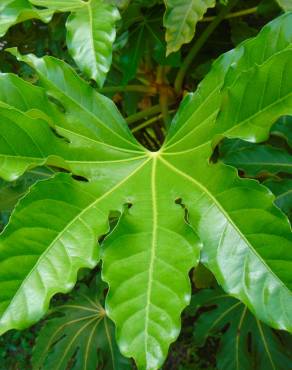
(142, 69)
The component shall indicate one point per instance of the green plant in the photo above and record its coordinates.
(150, 216)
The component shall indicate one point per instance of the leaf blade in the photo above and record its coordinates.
(90, 37)
(180, 21)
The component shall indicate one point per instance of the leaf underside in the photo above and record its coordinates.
(174, 203)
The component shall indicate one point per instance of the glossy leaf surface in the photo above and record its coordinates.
(173, 203)
(90, 38)
(180, 20)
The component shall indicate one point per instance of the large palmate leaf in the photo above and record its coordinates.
(16, 11)
(172, 203)
(245, 342)
(180, 20)
(81, 327)
(256, 159)
(90, 37)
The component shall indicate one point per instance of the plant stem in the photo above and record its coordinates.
(150, 122)
(199, 44)
(240, 13)
(144, 113)
(130, 88)
(163, 93)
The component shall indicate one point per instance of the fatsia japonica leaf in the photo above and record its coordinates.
(79, 334)
(256, 159)
(173, 203)
(16, 11)
(245, 342)
(90, 37)
(132, 165)
(180, 21)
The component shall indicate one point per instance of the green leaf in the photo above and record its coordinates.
(46, 248)
(283, 191)
(90, 38)
(245, 343)
(285, 4)
(81, 335)
(60, 5)
(275, 100)
(132, 54)
(180, 21)
(196, 125)
(173, 203)
(17, 11)
(255, 159)
(10, 193)
(241, 31)
(282, 128)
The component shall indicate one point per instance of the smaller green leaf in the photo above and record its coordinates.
(16, 11)
(285, 4)
(90, 38)
(241, 31)
(60, 5)
(245, 343)
(256, 159)
(283, 128)
(132, 54)
(180, 20)
(283, 191)
(155, 35)
(80, 337)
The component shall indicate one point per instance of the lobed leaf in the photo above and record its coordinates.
(173, 203)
